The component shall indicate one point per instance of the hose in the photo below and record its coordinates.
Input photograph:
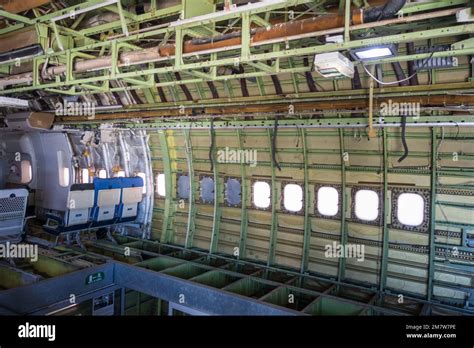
(389, 10)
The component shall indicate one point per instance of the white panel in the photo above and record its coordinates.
(108, 197)
(106, 213)
(78, 216)
(81, 199)
(132, 195)
(129, 210)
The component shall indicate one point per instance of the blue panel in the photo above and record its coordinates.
(104, 184)
(207, 190)
(107, 184)
(233, 192)
(183, 187)
(131, 182)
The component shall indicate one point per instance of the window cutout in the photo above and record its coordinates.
(183, 187)
(63, 169)
(143, 176)
(26, 172)
(261, 194)
(85, 176)
(103, 174)
(64, 178)
(410, 209)
(233, 192)
(367, 205)
(293, 197)
(328, 201)
(207, 190)
(161, 185)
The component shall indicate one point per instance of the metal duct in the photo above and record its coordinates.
(30, 121)
(15, 6)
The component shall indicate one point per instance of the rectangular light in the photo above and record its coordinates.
(374, 52)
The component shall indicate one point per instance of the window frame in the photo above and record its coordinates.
(339, 202)
(106, 174)
(157, 195)
(64, 169)
(253, 181)
(201, 177)
(378, 191)
(82, 181)
(396, 192)
(179, 175)
(282, 202)
(30, 171)
(226, 178)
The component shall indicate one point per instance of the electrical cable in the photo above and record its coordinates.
(211, 149)
(400, 81)
(404, 120)
(404, 140)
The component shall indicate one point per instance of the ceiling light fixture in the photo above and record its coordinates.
(333, 65)
(374, 52)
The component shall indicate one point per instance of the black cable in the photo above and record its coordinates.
(404, 140)
(275, 132)
(211, 149)
(382, 11)
(388, 10)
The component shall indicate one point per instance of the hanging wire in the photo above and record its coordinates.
(211, 149)
(399, 81)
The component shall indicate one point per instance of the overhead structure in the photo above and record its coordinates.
(283, 157)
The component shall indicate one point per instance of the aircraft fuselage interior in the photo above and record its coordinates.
(237, 158)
